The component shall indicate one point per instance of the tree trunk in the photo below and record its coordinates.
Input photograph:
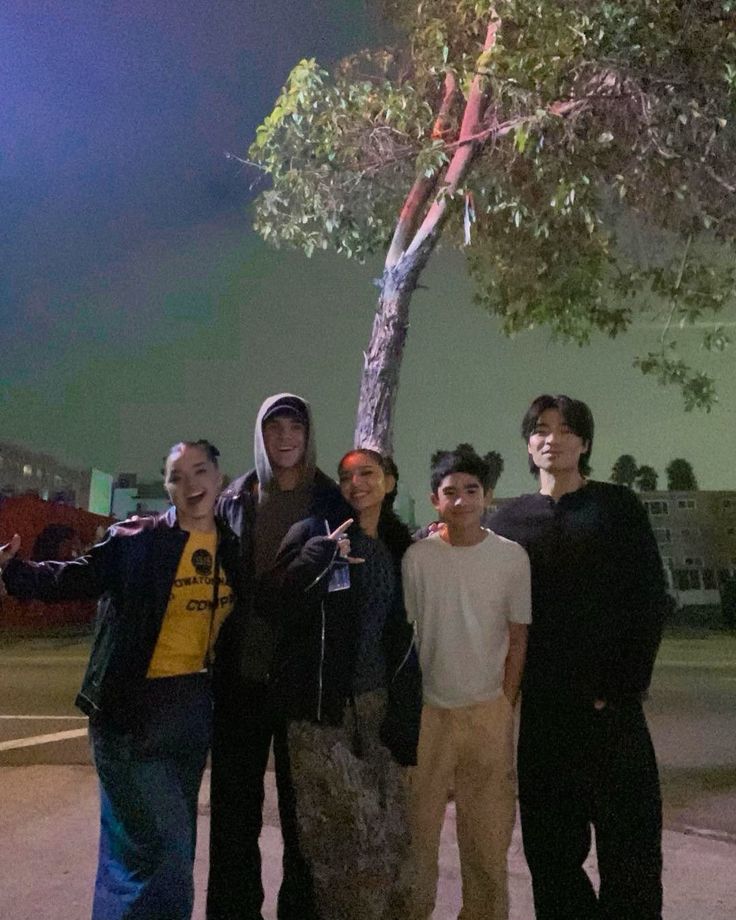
(382, 362)
(409, 253)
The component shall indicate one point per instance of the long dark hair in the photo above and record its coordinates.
(391, 529)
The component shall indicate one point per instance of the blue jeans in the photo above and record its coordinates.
(150, 776)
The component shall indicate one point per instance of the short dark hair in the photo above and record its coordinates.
(208, 447)
(463, 459)
(577, 416)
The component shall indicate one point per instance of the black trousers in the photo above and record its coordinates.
(582, 768)
(247, 720)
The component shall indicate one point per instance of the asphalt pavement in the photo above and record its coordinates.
(48, 838)
(49, 810)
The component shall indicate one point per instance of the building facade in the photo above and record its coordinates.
(696, 534)
(24, 472)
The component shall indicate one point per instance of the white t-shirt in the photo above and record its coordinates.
(462, 599)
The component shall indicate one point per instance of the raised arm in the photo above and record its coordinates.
(85, 578)
(305, 560)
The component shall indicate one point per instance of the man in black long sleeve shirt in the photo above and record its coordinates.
(585, 756)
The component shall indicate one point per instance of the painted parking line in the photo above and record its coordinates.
(715, 664)
(45, 718)
(44, 659)
(42, 739)
(709, 834)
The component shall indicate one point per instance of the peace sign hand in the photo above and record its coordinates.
(343, 542)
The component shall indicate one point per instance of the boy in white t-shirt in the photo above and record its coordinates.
(468, 590)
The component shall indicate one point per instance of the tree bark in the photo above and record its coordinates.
(382, 362)
(380, 380)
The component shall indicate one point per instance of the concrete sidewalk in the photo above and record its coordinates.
(48, 838)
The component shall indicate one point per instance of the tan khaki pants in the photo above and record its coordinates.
(466, 752)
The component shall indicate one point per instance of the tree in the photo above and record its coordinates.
(680, 476)
(535, 134)
(646, 479)
(624, 470)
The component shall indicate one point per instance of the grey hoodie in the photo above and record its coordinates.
(278, 510)
(266, 482)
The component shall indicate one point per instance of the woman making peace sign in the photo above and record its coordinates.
(353, 688)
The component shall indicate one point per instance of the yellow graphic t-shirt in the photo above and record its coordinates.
(190, 626)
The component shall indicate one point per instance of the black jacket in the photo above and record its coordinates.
(322, 631)
(251, 643)
(238, 503)
(131, 572)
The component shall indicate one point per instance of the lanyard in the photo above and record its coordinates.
(213, 611)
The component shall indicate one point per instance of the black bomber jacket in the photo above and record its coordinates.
(131, 572)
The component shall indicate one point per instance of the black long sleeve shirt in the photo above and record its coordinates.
(598, 591)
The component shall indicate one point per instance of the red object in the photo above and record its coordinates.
(28, 515)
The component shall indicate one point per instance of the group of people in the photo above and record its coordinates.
(293, 614)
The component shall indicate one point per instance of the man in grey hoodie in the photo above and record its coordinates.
(260, 507)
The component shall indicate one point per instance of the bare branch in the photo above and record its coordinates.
(475, 109)
(232, 156)
(423, 186)
(678, 283)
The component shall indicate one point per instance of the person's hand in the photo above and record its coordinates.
(8, 550)
(436, 527)
(343, 542)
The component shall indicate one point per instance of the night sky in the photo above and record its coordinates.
(138, 307)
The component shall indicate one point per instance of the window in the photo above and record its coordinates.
(709, 580)
(657, 507)
(694, 561)
(27, 469)
(687, 503)
(728, 504)
(687, 579)
(662, 535)
(690, 532)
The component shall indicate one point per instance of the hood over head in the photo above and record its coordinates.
(287, 404)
